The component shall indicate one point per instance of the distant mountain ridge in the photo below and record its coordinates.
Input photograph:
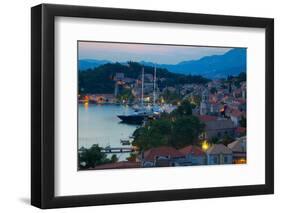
(91, 63)
(232, 62)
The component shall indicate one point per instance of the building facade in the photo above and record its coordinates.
(219, 154)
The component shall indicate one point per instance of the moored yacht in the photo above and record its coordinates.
(143, 112)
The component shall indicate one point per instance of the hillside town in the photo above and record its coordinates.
(219, 105)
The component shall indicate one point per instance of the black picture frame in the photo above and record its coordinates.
(43, 105)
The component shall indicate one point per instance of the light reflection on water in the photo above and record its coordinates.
(99, 124)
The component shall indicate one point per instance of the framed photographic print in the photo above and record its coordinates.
(140, 106)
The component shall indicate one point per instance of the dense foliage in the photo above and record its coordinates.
(126, 95)
(237, 79)
(171, 97)
(93, 156)
(178, 129)
(243, 122)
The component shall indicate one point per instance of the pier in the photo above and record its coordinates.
(117, 150)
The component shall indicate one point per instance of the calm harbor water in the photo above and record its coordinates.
(99, 124)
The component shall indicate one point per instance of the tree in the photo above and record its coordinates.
(171, 97)
(132, 157)
(242, 76)
(226, 139)
(125, 95)
(114, 158)
(93, 156)
(243, 122)
(194, 100)
(185, 131)
(213, 90)
(184, 109)
(176, 130)
(155, 134)
(215, 140)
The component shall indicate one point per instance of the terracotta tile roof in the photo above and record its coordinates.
(197, 151)
(151, 154)
(205, 118)
(239, 145)
(119, 165)
(217, 149)
(240, 130)
(219, 124)
(237, 113)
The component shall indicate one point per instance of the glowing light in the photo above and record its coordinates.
(205, 145)
(192, 100)
(86, 104)
(241, 161)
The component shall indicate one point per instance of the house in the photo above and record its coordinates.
(240, 131)
(161, 156)
(239, 150)
(102, 98)
(241, 103)
(119, 76)
(129, 80)
(216, 127)
(219, 154)
(215, 108)
(237, 93)
(148, 77)
(236, 116)
(194, 155)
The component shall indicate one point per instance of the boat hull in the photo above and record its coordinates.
(132, 119)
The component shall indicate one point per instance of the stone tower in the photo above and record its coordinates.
(204, 105)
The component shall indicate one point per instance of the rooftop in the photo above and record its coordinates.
(239, 145)
(237, 113)
(152, 153)
(240, 130)
(195, 150)
(217, 149)
(205, 118)
(219, 124)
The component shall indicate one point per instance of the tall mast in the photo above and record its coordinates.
(142, 82)
(154, 85)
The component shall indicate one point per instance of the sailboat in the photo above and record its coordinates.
(156, 109)
(142, 113)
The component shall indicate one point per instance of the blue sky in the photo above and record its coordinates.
(161, 54)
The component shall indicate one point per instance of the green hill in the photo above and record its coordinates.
(100, 79)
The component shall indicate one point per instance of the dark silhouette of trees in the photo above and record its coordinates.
(93, 156)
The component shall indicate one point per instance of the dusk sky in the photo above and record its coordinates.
(161, 54)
